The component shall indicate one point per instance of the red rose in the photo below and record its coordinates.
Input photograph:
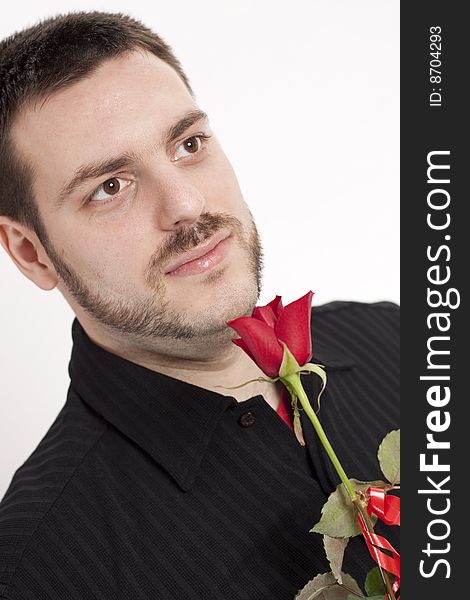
(262, 333)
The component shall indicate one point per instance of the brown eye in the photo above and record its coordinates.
(112, 186)
(109, 188)
(191, 145)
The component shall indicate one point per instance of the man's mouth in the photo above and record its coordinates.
(203, 257)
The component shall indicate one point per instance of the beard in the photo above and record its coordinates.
(155, 316)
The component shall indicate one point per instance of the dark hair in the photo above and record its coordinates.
(44, 58)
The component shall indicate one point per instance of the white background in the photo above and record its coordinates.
(304, 96)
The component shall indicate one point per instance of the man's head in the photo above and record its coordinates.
(110, 178)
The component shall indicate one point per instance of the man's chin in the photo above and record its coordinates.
(209, 310)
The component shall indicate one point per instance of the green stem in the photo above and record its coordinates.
(294, 381)
(370, 527)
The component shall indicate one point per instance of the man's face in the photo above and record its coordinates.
(126, 197)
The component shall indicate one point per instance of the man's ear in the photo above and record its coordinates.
(27, 252)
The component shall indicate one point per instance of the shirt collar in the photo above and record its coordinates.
(173, 421)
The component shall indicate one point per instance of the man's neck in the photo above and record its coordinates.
(220, 371)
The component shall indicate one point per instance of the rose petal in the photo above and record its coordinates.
(239, 342)
(276, 305)
(262, 343)
(293, 328)
(265, 314)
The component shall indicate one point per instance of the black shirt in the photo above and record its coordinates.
(149, 487)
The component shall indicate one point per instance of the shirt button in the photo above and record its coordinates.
(247, 419)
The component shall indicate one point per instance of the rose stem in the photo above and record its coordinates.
(294, 381)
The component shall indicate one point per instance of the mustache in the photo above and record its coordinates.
(186, 238)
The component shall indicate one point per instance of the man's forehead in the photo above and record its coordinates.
(119, 83)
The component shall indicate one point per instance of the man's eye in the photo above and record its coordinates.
(109, 188)
(191, 145)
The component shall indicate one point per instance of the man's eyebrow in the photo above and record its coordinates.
(93, 171)
(174, 131)
(99, 169)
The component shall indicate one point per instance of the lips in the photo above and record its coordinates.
(198, 252)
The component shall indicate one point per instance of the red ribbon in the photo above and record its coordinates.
(378, 547)
(383, 505)
(387, 508)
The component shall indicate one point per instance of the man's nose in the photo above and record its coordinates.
(179, 203)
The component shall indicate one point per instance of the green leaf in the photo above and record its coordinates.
(334, 548)
(338, 515)
(373, 584)
(325, 587)
(389, 456)
(354, 597)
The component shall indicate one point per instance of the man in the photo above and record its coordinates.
(154, 481)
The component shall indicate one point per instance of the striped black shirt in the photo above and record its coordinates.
(147, 487)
